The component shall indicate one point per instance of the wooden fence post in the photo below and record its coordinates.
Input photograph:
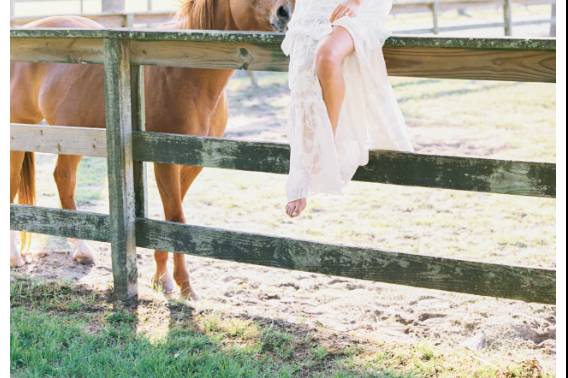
(112, 6)
(553, 20)
(508, 17)
(118, 112)
(138, 121)
(435, 7)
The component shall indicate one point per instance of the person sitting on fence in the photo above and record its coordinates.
(342, 103)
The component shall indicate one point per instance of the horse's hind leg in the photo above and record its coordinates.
(187, 175)
(16, 162)
(168, 178)
(65, 175)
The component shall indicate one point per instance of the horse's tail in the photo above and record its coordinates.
(26, 192)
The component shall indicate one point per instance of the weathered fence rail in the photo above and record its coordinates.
(511, 59)
(126, 146)
(387, 167)
(529, 284)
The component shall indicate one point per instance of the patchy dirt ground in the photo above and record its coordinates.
(446, 117)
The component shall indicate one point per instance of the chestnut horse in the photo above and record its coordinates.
(178, 100)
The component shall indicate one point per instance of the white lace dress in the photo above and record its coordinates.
(370, 117)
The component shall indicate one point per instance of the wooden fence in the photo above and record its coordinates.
(126, 146)
(435, 7)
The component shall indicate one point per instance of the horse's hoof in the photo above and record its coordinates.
(163, 283)
(17, 261)
(82, 253)
(188, 293)
(83, 258)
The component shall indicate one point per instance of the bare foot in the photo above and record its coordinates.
(294, 208)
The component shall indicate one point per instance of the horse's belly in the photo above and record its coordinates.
(73, 95)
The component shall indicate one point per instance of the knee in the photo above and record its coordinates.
(61, 176)
(328, 61)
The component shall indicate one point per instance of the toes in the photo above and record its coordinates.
(289, 209)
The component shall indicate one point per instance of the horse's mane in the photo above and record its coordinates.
(197, 14)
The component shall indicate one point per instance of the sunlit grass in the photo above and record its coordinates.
(61, 331)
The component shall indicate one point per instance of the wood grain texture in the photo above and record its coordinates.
(512, 59)
(58, 139)
(475, 64)
(527, 284)
(118, 112)
(508, 17)
(60, 222)
(138, 124)
(514, 282)
(388, 167)
(57, 50)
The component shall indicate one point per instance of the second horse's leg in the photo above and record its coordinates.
(65, 175)
(16, 161)
(168, 178)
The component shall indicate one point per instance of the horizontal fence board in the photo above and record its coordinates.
(60, 222)
(514, 59)
(66, 140)
(527, 66)
(485, 25)
(389, 167)
(528, 284)
(57, 50)
(514, 282)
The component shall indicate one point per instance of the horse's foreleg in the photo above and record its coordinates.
(16, 162)
(167, 179)
(187, 175)
(65, 175)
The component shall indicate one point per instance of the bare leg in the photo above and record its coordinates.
(329, 57)
(65, 175)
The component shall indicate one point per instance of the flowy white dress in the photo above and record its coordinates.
(370, 117)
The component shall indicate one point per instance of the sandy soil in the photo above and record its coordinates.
(498, 329)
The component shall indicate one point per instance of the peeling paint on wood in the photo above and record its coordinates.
(269, 38)
(388, 167)
(512, 59)
(118, 114)
(536, 179)
(514, 282)
(528, 284)
(60, 222)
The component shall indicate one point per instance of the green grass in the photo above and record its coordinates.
(59, 330)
